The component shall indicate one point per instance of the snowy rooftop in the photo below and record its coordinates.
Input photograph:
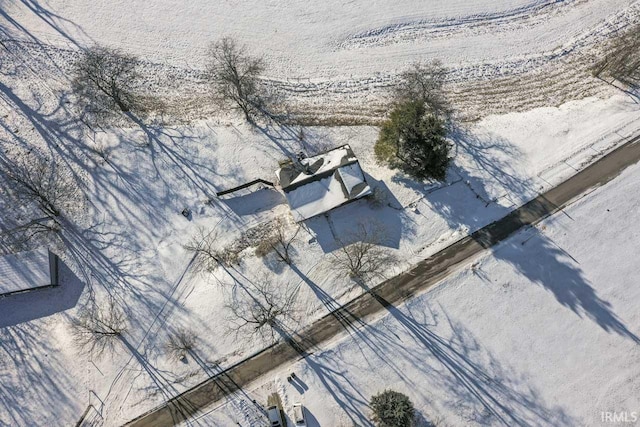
(26, 270)
(330, 180)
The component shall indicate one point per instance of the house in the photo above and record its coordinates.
(26, 271)
(315, 185)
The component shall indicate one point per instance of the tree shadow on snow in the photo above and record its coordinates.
(170, 146)
(373, 339)
(33, 376)
(476, 384)
(541, 260)
(544, 263)
(482, 390)
(335, 381)
(50, 18)
(291, 139)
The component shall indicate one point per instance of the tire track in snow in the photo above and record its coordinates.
(415, 30)
(513, 83)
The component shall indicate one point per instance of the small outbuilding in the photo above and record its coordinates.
(26, 271)
(315, 185)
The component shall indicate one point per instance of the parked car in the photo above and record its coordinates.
(298, 415)
(273, 412)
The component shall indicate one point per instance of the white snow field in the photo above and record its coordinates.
(329, 39)
(336, 58)
(542, 330)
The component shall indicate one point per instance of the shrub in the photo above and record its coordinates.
(392, 409)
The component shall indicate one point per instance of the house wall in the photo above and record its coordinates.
(53, 269)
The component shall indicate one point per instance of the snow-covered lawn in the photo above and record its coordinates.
(139, 175)
(541, 330)
(135, 249)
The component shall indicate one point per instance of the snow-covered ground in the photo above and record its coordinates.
(541, 330)
(135, 249)
(138, 177)
(331, 39)
(337, 59)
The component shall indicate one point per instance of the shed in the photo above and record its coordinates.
(26, 271)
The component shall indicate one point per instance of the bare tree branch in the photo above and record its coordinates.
(235, 77)
(265, 311)
(279, 241)
(104, 80)
(423, 82)
(180, 343)
(99, 329)
(204, 244)
(364, 258)
(40, 192)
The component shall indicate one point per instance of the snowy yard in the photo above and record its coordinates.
(528, 115)
(542, 330)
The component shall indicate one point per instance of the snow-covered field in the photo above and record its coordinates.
(331, 39)
(543, 330)
(335, 60)
(335, 57)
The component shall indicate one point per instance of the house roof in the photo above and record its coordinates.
(24, 271)
(331, 179)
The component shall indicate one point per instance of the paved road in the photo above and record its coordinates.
(393, 291)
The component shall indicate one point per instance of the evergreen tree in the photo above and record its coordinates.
(392, 409)
(414, 141)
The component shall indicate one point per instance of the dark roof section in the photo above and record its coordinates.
(291, 172)
(243, 186)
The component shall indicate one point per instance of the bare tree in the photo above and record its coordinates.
(204, 245)
(622, 61)
(364, 258)
(104, 80)
(423, 82)
(180, 343)
(40, 191)
(98, 329)
(235, 76)
(279, 241)
(265, 311)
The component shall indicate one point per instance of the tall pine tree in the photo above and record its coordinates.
(414, 140)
